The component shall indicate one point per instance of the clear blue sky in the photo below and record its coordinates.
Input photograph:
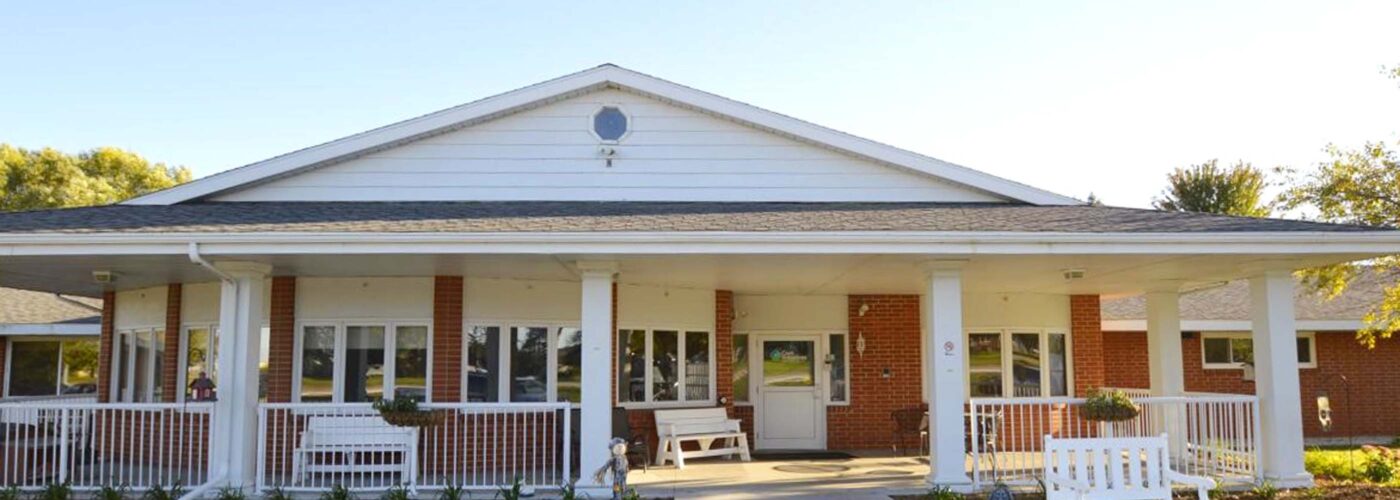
(1072, 97)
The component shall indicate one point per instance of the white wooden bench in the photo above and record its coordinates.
(1114, 469)
(394, 449)
(704, 426)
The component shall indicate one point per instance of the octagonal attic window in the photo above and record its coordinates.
(610, 124)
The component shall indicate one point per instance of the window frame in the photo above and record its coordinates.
(10, 342)
(592, 130)
(681, 331)
(1008, 383)
(338, 376)
(182, 371)
(503, 347)
(157, 336)
(1207, 365)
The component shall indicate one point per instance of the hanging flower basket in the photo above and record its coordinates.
(405, 413)
(1109, 406)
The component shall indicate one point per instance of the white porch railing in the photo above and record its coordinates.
(90, 445)
(473, 446)
(1210, 435)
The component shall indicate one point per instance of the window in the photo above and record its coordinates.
(665, 366)
(1233, 350)
(52, 367)
(1017, 363)
(741, 368)
(200, 359)
(836, 365)
(137, 368)
(542, 362)
(610, 124)
(363, 362)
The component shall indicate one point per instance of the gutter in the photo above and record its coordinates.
(198, 259)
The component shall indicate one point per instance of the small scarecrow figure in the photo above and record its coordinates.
(617, 465)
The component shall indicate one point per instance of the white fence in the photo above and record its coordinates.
(1210, 435)
(306, 447)
(91, 445)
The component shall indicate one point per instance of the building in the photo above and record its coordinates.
(610, 238)
(48, 345)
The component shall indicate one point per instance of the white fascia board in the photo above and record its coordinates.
(1225, 325)
(603, 75)
(50, 329)
(1358, 245)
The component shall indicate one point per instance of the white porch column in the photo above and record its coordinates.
(947, 388)
(1276, 379)
(235, 431)
(1164, 359)
(596, 407)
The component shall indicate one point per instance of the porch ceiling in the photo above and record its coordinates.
(750, 273)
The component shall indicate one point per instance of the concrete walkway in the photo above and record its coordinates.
(862, 477)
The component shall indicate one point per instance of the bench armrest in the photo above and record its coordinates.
(1197, 481)
(1066, 482)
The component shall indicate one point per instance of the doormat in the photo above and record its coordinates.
(770, 456)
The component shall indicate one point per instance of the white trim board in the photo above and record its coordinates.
(51, 329)
(605, 76)
(1195, 325)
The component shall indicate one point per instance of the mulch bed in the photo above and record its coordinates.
(1324, 490)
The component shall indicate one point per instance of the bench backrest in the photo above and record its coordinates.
(1114, 468)
(693, 421)
(354, 431)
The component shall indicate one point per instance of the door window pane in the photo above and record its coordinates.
(158, 366)
(1059, 365)
(34, 368)
(697, 366)
(1025, 364)
(317, 364)
(484, 364)
(741, 368)
(411, 362)
(664, 366)
(123, 348)
(1217, 350)
(1242, 350)
(788, 363)
(79, 368)
(570, 373)
(364, 363)
(838, 368)
(198, 359)
(529, 359)
(984, 361)
(631, 365)
(144, 359)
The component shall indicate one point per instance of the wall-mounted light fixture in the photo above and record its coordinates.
(864, 308)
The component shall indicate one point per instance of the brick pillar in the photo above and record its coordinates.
(281, 342)
(1086, 333)
(724, 348)
(104, 356)
(447, 338)
(170, 365)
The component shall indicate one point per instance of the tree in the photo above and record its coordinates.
(1356, 186)
(1209, 188)
(48, 178)
(1360, 186)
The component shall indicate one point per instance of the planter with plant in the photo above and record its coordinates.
(404, 412)
(1108, 406)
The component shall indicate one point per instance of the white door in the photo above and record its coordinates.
(790, 412)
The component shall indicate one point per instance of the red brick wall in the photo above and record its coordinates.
(170, 366)
(104, 358)
(447, 338)
(1371, 378)
(892, 329)
(1087, 338)
(281, 342)
(724, 348)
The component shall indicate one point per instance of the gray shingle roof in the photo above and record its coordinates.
(26, 307)
(1230, 302)
(526, 216)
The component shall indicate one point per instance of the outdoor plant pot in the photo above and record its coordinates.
(413, 418)
(1109, 406)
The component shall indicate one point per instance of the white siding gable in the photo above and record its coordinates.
(671, 153)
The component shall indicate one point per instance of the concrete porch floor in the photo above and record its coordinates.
(866, 476)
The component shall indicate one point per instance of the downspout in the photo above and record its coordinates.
(198, 259)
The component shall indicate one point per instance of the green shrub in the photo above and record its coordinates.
(942, 493)
(1332, 464)
(1378, 468)
(276, 493)
(231, 493)
(159, 492)
(109, 492)
(1266, 491)
(56, 491)
(10, 493)
(399, 492)
(516, 490)
(338, 492)
(1108, 406)
(453, 492)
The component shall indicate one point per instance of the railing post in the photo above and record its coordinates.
(260, 483)
(64, 443)
(568, 444)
